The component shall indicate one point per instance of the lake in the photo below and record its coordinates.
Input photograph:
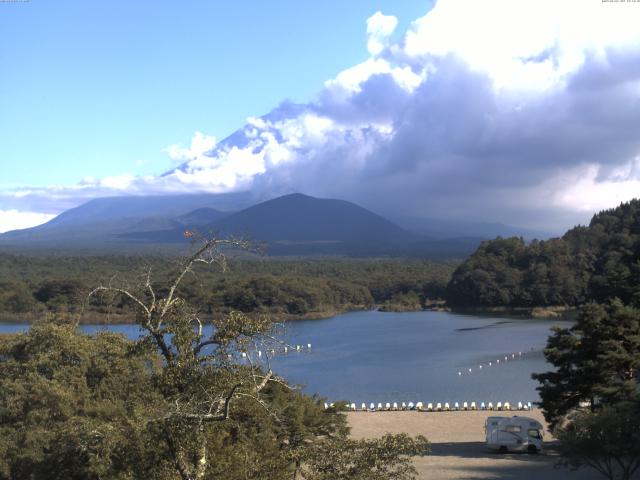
(417, 356)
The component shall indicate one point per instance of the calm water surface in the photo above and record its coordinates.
(416, 356)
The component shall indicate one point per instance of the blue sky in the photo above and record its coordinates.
(525, 112)
(101, 88)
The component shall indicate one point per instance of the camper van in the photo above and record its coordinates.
(513, 434)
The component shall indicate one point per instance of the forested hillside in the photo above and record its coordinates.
(587, 263)
(285, 288)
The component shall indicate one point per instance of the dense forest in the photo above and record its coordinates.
(178, 403)
(596, 262)
(32, 285)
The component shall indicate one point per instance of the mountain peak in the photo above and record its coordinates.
(293, 224)
(293, 196)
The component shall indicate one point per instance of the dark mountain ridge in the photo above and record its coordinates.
(98, 223)
(300, 218)
(160, 206)
(298, 224)
(294, 224)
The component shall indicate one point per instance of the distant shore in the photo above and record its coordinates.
(96, 318)
(91, 318)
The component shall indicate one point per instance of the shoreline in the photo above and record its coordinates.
(95, 318)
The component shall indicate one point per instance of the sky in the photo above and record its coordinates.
(519, 111)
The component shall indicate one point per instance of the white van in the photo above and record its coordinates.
(513, 434)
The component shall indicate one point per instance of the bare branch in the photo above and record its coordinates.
(221, 413)
(122, 291)
(203, 344)
(151, 291)
(265, 380)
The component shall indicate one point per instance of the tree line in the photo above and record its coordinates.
(285, 288)
(588, 263)
(591, 398)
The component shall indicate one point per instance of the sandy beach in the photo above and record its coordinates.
(458, 448)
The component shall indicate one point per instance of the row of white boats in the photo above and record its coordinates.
(435, 407)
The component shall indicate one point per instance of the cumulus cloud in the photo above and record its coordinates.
(200, 144)
(511, 110)
(379, 29)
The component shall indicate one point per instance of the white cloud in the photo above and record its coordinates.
(200, 144)
(351, 80)
(582, 191)
(379, 29)
(16, 220)
(268, 144)
(120, 182)
(523, 44)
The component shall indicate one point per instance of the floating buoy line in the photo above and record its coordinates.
(446, 406)
(418, 406)
(501, 360)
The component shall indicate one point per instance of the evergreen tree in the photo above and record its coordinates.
(597, 361)
(607, 440)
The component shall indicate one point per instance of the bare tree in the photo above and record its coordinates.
(218, 369)
(207, 365)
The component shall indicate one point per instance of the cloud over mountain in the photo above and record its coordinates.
(14, 219)
(505, 110)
